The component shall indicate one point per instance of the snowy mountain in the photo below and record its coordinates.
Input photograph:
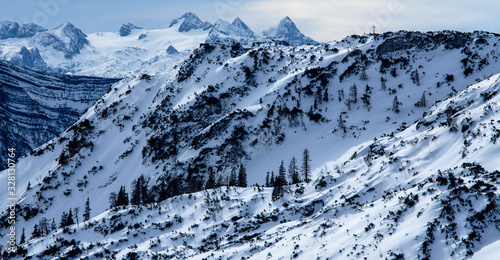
(287, 31)
(190, 21)
(131, 52)
(126, 29)
(29, 58)
(36, 106)
(14, 30)
(65, 38)
(237, 31)
(381, 185)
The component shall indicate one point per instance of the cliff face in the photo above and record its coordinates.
(36, 106)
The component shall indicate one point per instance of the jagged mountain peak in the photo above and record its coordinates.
(65, 38)
(71, 32)
(287, 31)
(240, 24)
(237, 31)
(10, 29)
(172, 50)
(190, 21)
(126, 29)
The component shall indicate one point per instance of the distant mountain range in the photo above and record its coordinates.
(133, 50)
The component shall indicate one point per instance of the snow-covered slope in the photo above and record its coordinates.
(227, 106)
(412, 195)
(36, 106)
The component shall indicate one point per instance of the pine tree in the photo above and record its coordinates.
(326, 97)
(36, 232)
(280, 182)
(23, 237)
(53, 226)
(395, 105)
(145, 197)
(383, 84)
(319, 96)
(70, 219)
(242, 176)
(366, 98)
(363, 75)
(64, 220)
(282, 175)
(112, 200)
(272, 181)
(341, 94)
(293, 171)
(267, 180)
(77, 210)
(422, 102)
(353, 93)
(415, 76)
(233, 180)
(136, 196)
(211, 179)
(86, 211)
(306, 165)
(43, 226)
(122, 197)
(342, 124)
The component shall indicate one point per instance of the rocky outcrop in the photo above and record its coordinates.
(36, 106)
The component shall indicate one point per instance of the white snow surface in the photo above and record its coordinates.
(377, 190)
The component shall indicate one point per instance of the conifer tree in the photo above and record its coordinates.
(293, 171)
(395, 105)
(326, 97)
(383, 84)
(64, 220)
(282, 175)
(70, 219)
(341, 124)
(87, 210)
(242, 176)
(36, 232)
(112, 199)
(122, 197)
(279, 183)
(77, 210)
(306, 165)
(53, 226)
(23, 237)
(233, 179)
(353, 93)
(366, 98)
(211, 179)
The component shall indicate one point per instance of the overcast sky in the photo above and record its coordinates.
(323, 20)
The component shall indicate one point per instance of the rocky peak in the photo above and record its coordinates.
(126, 29)
(14, 30)
(65, 38)
(287, 31)
(190, 21)
(172, 50)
